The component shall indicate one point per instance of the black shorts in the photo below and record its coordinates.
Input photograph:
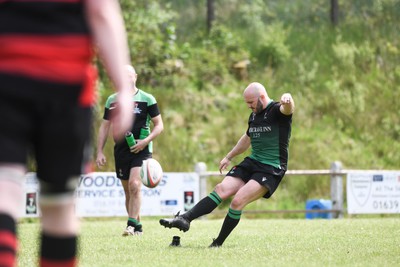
(125, 161)
(266, 175)
(44, 119)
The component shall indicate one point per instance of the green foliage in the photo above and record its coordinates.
(345, 81)
(215, 55)
(271, 48)
(151, 36)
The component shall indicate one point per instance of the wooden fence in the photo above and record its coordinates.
(335, 173)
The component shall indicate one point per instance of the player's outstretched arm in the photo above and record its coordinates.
(287, 104)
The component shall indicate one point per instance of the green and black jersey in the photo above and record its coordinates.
(269, 132)
(145, 108)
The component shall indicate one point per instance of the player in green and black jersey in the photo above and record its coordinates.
(128, 160)
(257, 176)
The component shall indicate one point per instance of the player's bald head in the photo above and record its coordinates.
(254, 89)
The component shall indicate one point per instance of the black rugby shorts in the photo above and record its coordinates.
(125, 161)
(44, 119)
(266, 175)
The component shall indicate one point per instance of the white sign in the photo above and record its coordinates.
(373, 192)
(101, 194)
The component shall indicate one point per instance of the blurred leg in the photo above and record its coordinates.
(58, 217)
(11, 198)
(59, 231)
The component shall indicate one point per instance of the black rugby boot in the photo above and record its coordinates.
(177, 222)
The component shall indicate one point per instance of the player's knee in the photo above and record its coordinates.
(11, 191)
(222, 192)
(237, 203)
(58, 193)
(134, 185)
(15, 175)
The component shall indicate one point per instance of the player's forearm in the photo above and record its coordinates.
(242, 145)
(288, 108)
(157, 130)
(102, 138)
(109, 36)
(101, 142)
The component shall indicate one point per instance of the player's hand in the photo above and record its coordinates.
(123, 116)
(140, 145)
(224, 164)
(101, 160)
(286, 99)
(287, 104)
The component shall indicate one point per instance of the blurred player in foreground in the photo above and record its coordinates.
(257, 176)
(46, 94)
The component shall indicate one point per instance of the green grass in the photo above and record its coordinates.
(254, 242)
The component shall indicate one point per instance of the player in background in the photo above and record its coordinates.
(47, 84)
(128, 159)
(257, 176)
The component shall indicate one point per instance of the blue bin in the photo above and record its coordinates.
(319, 204)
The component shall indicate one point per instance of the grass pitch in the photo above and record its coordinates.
(254, 242)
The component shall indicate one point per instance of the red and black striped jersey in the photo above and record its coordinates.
(48, 40)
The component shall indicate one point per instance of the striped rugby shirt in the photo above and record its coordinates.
(58, 52)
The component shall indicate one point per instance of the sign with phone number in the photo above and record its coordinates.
(373, 192)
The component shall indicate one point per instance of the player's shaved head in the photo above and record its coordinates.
(132, 74)
(254, 89)
(256, 97)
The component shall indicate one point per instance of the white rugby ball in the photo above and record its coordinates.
(151, 173)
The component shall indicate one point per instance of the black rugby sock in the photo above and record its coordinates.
(58, 251)
(8, 240)
(136, 224)
(231, 221)
(132, 222)
(203, 207)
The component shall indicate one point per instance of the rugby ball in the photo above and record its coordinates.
(151, 173)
